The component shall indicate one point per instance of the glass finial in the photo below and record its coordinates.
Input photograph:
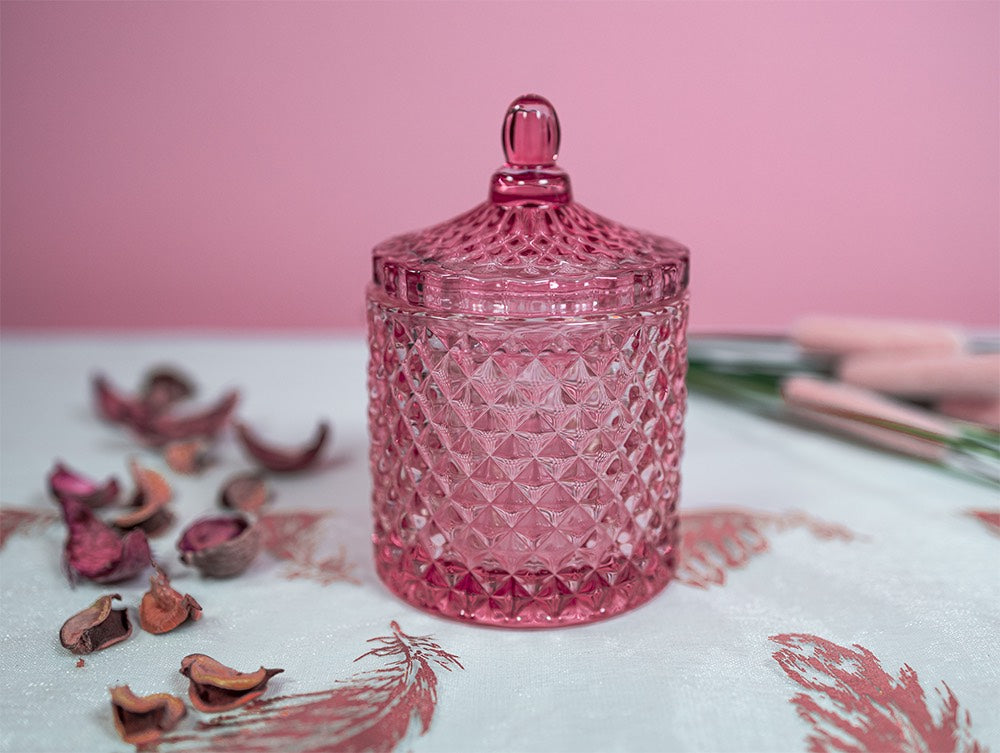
(531, 132)
(530, 177)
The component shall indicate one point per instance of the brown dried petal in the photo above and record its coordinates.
(152, 493)
(164, 386)
(96, 627)
(142, 720)
(220, 546)
(188, 456)
(163, 608)
(96, 551)
(216, 687)
(65, 482)
(282, 460)
(159, 430)
(245, 491)
(151, 488)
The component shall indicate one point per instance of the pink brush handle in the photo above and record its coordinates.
(983, 412)
(976, 376)
(846, 409)
(842, 335)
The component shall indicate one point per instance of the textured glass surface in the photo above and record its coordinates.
(527, 401)
(505, 259)
(526, 472)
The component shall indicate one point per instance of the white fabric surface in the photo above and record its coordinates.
(690, 671)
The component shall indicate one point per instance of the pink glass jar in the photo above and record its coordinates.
(526, 401)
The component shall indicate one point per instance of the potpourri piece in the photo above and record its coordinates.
(188, 456)
(220, 546)
(164, 428)
(162, 387)
(66, 482)
(96, 551)
(111, 405)
(163, 608)
(215, 687)
(283, 460)
(149, 502)
(148, 416)
(142, 720)
(96, 627)
(245, 491)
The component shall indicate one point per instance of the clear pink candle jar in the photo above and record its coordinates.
(526, 401)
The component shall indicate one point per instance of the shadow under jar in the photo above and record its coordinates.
(526, 401)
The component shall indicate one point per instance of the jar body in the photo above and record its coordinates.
(526, 471)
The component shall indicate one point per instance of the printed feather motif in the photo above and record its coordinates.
(292, 537)
(718, 539)
(989, 518)
(370, 713)
(854, 706)
(16, 520)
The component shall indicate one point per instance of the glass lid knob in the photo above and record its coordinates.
(531, 132)
(530, 178)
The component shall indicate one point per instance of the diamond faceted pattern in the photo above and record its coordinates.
(526, 471)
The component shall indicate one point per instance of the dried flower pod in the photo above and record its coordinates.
(188, 456)
(149, 502)
(245, 491)
(163, 608)
(220, 546)
(162, 387)
(142, 720)
(147, 414)
(161, 429)
(96, 551)
(216, 687)
(96, 627)
(111, 404)
(283, 460)
(65, 482)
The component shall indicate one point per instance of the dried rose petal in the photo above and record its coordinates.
(164, 386)
(149, 501)
(150, 486)
(158, 430)
(245, 491)
(163, 608)
(96, 551)
(142, 720)
(147, 415)
(65, 482)
(216, 687)
(96, 627)
(283, 460)
(220, 546)
(111, 405)
(188, 456)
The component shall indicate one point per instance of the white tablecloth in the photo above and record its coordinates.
(815, 572)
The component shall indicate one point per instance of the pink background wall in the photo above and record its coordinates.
(230, 165)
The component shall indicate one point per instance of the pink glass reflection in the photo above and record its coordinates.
(527, 401)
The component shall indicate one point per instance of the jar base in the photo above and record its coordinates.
(525, 599)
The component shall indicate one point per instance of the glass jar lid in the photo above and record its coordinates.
(529, 250)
